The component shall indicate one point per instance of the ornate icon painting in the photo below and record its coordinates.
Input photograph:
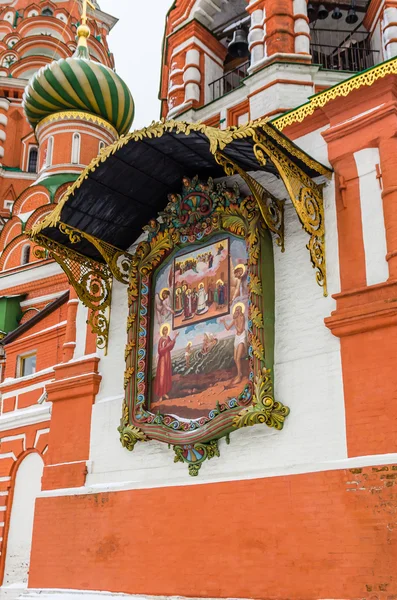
(200, 331)
(201, 325)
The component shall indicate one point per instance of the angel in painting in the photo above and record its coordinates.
(163, 306)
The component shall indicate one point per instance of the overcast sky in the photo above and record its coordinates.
(136, 44)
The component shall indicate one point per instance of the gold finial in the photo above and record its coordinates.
(83, 31)
(84, 13)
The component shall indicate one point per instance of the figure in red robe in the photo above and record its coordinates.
(163, 379)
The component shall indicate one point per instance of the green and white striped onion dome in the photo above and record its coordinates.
(80, 84)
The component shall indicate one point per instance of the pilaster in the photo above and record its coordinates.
(196, 58)
(279, 27)
(69, 344)
(365, 318)
(72, 393)
(4, 106)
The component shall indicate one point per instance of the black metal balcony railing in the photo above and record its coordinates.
(338, 58)
(229, 81)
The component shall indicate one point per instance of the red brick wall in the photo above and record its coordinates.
(319, 535)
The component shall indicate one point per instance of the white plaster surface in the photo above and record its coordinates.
(27, 487)
(112, 365)
(212, 71)
(314, 144)
(373, 223)
(308, 380)
(81, 330)
(8, 280)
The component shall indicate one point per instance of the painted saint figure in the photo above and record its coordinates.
(163, 379)
(240, 340)
(188, 353)
(216, 293)
(210, 293)
(241, 277)
(187, 305)
(178, 302)
(202, 300)
(194, 301)
(221, 293)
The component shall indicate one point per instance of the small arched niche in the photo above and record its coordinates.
(27, 486)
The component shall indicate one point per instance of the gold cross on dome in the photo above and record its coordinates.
(84, 13)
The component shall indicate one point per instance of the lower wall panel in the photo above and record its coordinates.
(319, 535)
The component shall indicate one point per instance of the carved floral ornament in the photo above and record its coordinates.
(201, 294)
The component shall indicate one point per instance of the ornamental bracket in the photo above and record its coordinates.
(306, 196)
(91, 280)
(272, 209)
(118, 261)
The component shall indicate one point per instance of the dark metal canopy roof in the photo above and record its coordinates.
(129, 183)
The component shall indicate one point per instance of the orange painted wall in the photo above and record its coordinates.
(319, 535)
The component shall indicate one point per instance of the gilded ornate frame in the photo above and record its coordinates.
(196, 440)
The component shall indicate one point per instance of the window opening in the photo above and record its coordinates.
(25, 255)
(27, 365)
(76, 149)
(32, 163)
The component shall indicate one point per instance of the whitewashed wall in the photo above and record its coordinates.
(308, 380)
(27, 488)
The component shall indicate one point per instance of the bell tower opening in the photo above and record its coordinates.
(339, 38)
(231, 29)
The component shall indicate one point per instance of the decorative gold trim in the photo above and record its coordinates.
(297, 152)
(68, 115)
(118, 261)
(218, 140)
(307, 198)
(272, 209)
(91, 280)
(207, 451)
(129, 435)
(265, 409)
(304, 193)
(367, 78)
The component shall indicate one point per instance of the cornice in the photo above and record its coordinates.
(361, 121)
(73, 115)
(364, 309)
(365, 78)
(25, 417)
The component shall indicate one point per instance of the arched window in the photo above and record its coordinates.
(32, 162)
(76, 149)
(47, 12)
(9, 17)
(25, 256)
(101, 146)
(50, 150)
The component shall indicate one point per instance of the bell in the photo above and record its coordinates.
(238, 47)
(337, 13)
(322, 12)
(351, 16)
(310, 10)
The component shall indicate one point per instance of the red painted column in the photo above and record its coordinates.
(388, 157)
(72, 394)
(279, 27)
(70, 335)
(350, 234)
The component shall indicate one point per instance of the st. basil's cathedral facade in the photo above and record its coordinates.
(198, 319)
